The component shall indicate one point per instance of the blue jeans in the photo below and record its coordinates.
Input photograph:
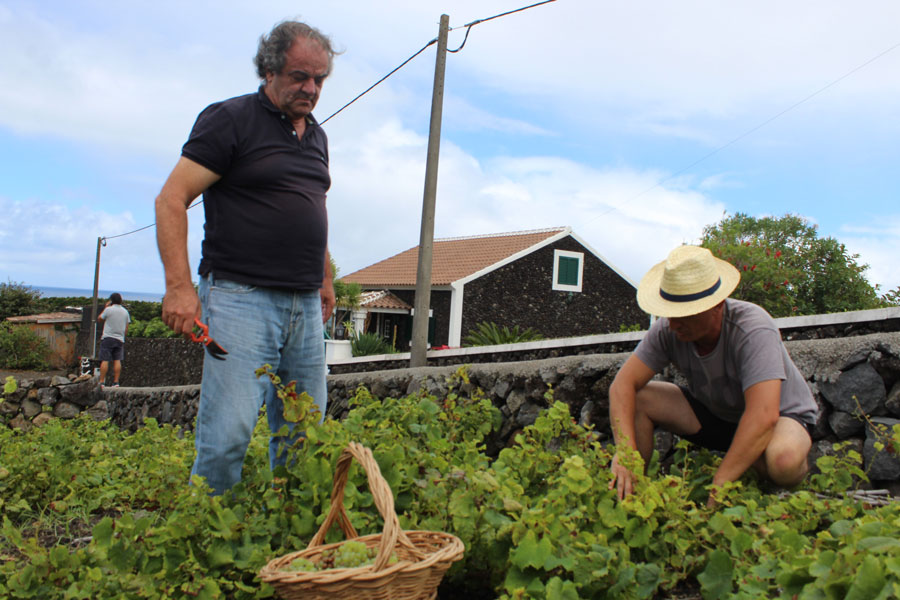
(256, 326)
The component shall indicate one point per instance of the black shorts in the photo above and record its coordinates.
(716, 433)
(111, 349)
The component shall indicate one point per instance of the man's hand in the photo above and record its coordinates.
(327, 294)
(622, 478)
(180, 307)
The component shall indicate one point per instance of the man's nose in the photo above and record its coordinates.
(308, 87)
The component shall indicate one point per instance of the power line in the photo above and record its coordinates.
(112, 237)
(371, 87)
(468, 26)
(747, 133)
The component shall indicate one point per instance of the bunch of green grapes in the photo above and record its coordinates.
(349, 555)
(302, 564)
(352, 554)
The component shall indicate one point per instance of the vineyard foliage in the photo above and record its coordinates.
(89, 511)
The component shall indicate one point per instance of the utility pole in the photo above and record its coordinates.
(422, 304)
(100, 242)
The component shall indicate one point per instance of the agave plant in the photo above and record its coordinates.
(490, 334)
(367, 344)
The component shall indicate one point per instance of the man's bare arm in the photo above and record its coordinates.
(187, 181)
(632, 377)
(754, 431)
(327, 289)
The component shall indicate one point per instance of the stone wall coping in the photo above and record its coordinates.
(587, 340)
(858, 316)
(520, 368)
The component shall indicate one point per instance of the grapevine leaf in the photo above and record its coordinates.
(878, 544)
(530, 552)
(220, 553)
(637, 532)
(103, 532)
(869, 580)
(648, 577)
(557, 589)
(715, 580)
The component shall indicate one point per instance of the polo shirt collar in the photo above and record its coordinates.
(267, 104)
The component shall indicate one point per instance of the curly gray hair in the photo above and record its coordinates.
(270, 57)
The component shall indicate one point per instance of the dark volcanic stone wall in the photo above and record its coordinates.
(151, 362)
(521, 293)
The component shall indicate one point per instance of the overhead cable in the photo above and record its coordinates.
(748, 132)
(468, 26)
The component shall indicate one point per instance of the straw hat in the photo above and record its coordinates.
(690, 281)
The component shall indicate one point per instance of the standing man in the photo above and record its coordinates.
(745, 396)
(115, 319)
(261, 163)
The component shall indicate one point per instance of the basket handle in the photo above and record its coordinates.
(384, 502)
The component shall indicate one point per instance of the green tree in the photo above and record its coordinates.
(17, 299)
(788, 269)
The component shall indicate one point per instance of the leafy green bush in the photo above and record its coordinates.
(154, 328)
(490, 334)
(89, 512)
(368, 344)
(17, 299)
(21, 348)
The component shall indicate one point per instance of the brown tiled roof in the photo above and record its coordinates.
(54, 317)
(452, 259)
(382, 299)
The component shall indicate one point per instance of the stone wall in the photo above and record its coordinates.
(855, 380)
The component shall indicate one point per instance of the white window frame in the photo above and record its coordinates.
(557, 254)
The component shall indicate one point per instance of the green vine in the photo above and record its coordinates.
(89, 511)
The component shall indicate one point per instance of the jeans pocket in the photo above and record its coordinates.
(232, 287)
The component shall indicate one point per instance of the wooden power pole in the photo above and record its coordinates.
(100, 242)
(422, 304)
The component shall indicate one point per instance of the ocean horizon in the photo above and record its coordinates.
(61, 292)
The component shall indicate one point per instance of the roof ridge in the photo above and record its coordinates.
(505, 234)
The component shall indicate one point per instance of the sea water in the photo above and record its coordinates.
(59, 292)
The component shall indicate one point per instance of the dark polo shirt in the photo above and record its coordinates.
(266, 221)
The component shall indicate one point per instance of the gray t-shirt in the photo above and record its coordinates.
(115, 321)
(749, 351)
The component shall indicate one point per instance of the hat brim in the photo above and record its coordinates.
(652, 302)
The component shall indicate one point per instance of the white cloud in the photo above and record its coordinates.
(569, 73)
(878, 245)
(376, 201)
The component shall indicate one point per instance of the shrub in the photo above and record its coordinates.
(490, 334)
(17, 299)
(154, 328)
(367, 344)
(21, 348)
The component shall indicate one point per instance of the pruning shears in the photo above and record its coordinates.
(213, 347)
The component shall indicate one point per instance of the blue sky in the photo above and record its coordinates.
(582, 113)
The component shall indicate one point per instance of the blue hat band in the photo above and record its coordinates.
(691, 297)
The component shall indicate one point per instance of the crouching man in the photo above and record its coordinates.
(745, 396)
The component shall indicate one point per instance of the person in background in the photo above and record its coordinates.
(745, 396)
(261, 162)
(115, 319)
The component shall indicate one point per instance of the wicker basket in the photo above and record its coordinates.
(423, 556)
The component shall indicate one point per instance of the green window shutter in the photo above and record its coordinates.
(567, 271)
